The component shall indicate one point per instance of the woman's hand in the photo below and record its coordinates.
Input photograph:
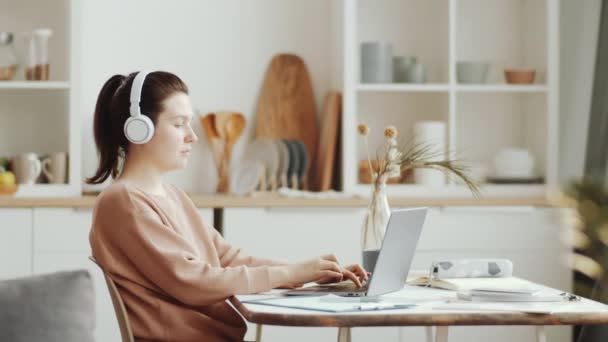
(355, 273)
(312, 270)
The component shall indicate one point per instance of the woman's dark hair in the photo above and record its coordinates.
(112, 110)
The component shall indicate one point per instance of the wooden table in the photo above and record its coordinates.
(426, 313)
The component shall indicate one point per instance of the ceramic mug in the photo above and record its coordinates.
(401, 65)
(27, 168)
(416, 73)
(54, 167)
(376, 62)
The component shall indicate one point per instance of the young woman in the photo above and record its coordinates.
(173, 270)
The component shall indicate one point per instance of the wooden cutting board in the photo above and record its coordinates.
(327, 151)
(286, 107)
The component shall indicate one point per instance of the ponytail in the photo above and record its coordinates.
(106, 139)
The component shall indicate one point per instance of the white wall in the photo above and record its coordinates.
(221, 48)
(579, 31)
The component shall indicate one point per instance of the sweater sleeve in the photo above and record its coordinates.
(166, 258)
(232, 256)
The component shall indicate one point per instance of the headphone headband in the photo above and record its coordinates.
(136, 87)
(138, 128)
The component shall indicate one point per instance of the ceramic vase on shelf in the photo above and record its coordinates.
(374, 224)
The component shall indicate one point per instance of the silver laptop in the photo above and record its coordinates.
(393, 264)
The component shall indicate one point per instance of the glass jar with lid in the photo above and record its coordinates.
(8, 58)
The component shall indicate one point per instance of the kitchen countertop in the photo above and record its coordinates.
(274, 200)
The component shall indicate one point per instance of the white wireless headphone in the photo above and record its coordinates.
(139, 128)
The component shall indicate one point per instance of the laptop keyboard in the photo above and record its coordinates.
(344, 286)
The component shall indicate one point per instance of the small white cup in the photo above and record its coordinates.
(54, 167)
(26, 167)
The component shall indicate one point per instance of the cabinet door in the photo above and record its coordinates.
(296, 234)
(300, 234)
(15, 243)
(61, 242)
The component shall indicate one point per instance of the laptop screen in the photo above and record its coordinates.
(397, 251)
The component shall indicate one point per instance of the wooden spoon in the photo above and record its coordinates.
(220, 123)
(234, 127)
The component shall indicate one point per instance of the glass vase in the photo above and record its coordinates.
(374, 225)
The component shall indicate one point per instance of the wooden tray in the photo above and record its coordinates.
(286, 107)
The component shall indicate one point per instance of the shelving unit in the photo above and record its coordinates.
(480, 118)
(34, 85)
(39, 116)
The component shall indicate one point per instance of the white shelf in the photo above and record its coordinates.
(48, 190)
(456, 191)
(501, 88)
(439, 87)
(34, 85)
(403, 87)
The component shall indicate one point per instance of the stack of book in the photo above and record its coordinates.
(500, 289)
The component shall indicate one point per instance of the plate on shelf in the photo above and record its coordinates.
(283, 162)
(304, 162)
(265, 152)
(515, 180)
(246, 178)
(294, 161)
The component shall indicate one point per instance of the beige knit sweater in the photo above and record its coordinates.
(173, 270)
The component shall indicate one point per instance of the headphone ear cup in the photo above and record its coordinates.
(139, 129)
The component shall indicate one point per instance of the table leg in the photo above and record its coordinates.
(258, 333)
(541, 335)
(441, 334)
(429, 333)
(344, 334)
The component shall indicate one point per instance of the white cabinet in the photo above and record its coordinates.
(528, 236)
(295, 234)
(15, 242)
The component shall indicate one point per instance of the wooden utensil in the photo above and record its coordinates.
(220, 123)
(216, 144)
(327, 151)
(286, 107)
(234, 127)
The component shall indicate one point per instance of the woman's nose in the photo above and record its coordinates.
(191, 137)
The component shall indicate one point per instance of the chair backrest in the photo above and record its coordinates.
(119, 307)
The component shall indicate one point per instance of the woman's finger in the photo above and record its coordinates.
(330, 274)
(330, 265)
(359, 271)
(350, 275)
